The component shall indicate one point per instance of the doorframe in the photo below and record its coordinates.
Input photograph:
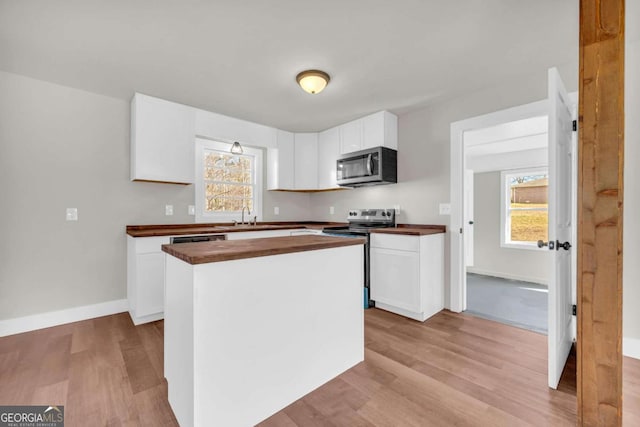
(457, 278)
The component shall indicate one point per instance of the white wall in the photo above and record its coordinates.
(59, 148)
(489, 257)
(631, 225)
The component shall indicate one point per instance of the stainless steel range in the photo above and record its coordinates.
(361, 222)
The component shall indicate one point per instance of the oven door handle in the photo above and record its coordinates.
(370, 165)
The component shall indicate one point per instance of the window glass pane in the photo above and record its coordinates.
(529, 190)
(228, 181)
(528, 206)
(529, 226)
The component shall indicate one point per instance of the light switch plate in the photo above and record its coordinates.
(397, 209)
(168, 209)
(332, 210)
(191, 210)
(276, 210)
(445, 209)
(72, 214)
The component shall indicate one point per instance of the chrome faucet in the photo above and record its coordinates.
(248, 213)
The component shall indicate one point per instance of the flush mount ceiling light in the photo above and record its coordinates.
(236, 148)
(313, 81)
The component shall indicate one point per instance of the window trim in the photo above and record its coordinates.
(505, 222)
(204, 217)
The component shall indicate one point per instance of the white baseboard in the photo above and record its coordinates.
(631, 347)
(509, 276)
(55, 318)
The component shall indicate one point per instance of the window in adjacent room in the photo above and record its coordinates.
(226, 182)
(525, 208)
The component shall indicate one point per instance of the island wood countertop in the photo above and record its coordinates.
(220, 228)
(412, 229)
(226, 250)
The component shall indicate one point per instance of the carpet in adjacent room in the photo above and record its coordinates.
(516, 303)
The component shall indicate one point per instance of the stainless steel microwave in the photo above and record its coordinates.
(373, 166)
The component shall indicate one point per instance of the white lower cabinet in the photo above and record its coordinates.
(145, 278)
(407, 274)
(145, 271)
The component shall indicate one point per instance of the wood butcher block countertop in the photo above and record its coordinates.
(219, 228)
(412, 230)
(226, 250)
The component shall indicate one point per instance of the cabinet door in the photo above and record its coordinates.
(150, 284)
(350, 136)
(306, 161)
(280, 163)
(328, 152)
(395, 278)
(380, 129)
(162, 140)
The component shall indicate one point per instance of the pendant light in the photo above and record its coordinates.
(313, 81)
(236, 148)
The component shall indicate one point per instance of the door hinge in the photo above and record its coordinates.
(461, 230)
(574, 310)
(575, 125)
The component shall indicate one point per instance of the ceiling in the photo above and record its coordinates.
(240, 58)
(518, 135)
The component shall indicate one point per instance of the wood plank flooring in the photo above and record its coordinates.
(454, 369)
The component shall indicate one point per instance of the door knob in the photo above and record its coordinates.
(542, 244)
(565, 245)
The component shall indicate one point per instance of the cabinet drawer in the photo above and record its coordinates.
(145, 245)
(392, 241)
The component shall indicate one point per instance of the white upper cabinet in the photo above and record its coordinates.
(306, 161)
(375, 130)
(281, 160)
(328, 152)
(162, 140)
(380, 129)
(350, 136)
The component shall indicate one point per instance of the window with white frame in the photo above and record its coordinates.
(525, 208)
(226, 182)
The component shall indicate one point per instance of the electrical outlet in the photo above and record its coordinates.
(72, 214)
(168, 209)
(276, 210)
(397, 209)
(332, 210)
(191, 210)
(445, 209)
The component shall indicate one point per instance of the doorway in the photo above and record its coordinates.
(506, 214)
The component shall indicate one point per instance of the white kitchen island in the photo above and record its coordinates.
(253, 325)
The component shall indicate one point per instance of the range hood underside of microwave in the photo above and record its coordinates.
(366, 184)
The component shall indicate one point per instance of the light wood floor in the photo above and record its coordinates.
(454, 369)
